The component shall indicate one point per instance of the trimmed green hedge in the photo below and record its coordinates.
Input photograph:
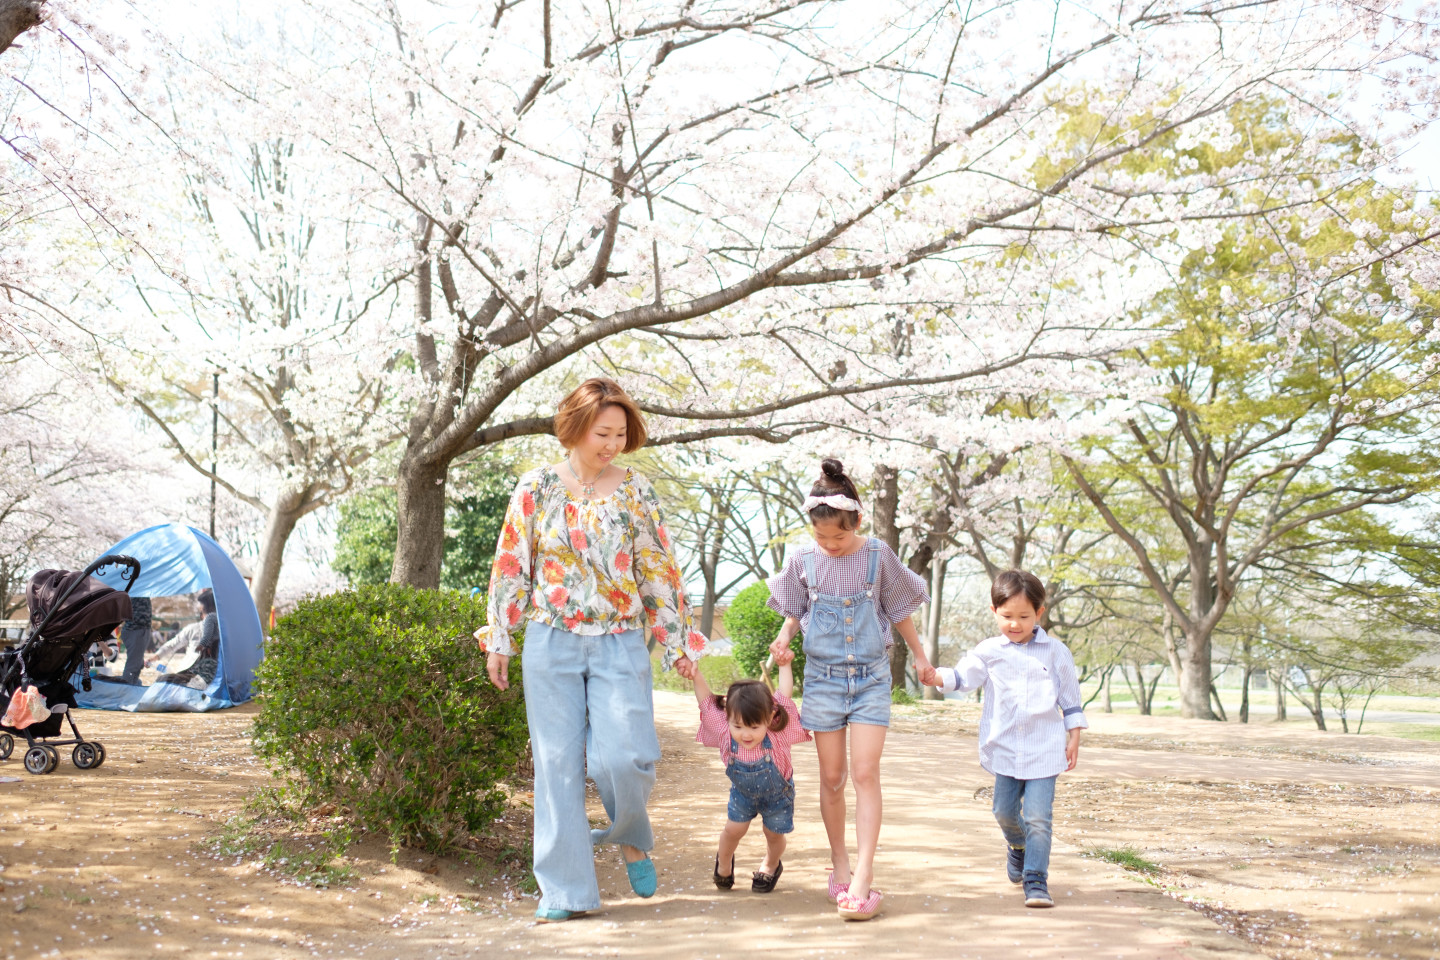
(376, 700)
(752, 627)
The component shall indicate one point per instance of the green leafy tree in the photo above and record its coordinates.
(365, 537)
(1290, 403)
(365, 534)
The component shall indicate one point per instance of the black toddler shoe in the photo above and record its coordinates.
(724, 883)
(765, 882)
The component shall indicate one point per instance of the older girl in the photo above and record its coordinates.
(845, 593)
(583, 566)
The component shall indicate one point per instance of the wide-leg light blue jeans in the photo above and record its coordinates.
(588, 703)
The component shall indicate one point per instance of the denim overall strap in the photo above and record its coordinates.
(872, 567)
(755, 778)
(809, 556)
(735, 748)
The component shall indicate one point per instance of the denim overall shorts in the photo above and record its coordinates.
(847, 669)
(757, 789)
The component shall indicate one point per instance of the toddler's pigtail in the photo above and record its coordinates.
(780, 718)
(719, 701)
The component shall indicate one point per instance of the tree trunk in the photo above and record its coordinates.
(1365, 706)
(1279, 678)
(1318, 710)
(1195, 677)
(1172, 649)
(420, 543)
(17, 16)
(707, 608)
(1140, 690)
(1219, 707)
(710, 570)
(886, 506)
(1313, 704)
(932, 621)
(285, 512)
(1105, 705)
(1245, 692)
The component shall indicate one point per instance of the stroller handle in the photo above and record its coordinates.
(105, 561)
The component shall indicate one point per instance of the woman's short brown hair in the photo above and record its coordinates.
(577, 412)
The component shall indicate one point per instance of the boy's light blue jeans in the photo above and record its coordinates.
(1022, 808)
(588, 703)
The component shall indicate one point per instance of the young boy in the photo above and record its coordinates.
(1030, 725)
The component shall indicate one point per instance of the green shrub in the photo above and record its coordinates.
(752, 627)
(376, 700)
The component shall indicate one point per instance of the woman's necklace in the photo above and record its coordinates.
(587, 487)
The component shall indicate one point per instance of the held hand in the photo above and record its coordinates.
(498, 666)
(685, 667)
(928, 675)
(784, 658)
(1072, 750)
(779, 647)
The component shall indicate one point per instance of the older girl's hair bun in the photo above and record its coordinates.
(834, 481)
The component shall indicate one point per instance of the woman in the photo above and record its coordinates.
(582, 567)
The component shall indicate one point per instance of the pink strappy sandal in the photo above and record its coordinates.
(853, 908)
(835, 889)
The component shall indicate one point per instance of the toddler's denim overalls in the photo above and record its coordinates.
(756, 788)
(847, 668)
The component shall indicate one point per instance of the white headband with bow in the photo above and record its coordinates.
(837, 501)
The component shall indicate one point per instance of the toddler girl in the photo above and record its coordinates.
(845, 593)
(754, 731)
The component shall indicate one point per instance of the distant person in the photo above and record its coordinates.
(1030, 725)
(207, 661)
(184, 644)
(135, 636)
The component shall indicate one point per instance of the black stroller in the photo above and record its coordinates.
(68, 613)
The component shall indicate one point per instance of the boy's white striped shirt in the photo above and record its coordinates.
(1032, 697)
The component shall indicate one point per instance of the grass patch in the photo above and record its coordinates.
(1406, 731)
(311, 860)
(902, 697)
(1127, 857)
(520, 858)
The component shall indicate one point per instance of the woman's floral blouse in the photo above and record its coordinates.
(587, 566)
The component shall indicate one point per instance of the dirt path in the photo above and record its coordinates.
(106, 864)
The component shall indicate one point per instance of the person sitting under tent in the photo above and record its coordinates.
(181, 647)
(207, 659)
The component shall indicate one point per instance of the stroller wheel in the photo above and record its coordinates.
(7, 746)
(38, 760)
(99, 749)
(86, 757)
(54, 756)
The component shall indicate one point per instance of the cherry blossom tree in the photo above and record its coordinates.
(73, 480)
(273, 339)
(729, 202)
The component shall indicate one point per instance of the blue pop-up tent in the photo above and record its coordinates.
(176, 559)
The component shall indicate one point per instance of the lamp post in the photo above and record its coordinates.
(214, 444)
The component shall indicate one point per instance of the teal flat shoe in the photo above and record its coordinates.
(544, 915)
(642, 877)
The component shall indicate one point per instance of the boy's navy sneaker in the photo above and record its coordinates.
(1015, 863)
(1036, 893)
